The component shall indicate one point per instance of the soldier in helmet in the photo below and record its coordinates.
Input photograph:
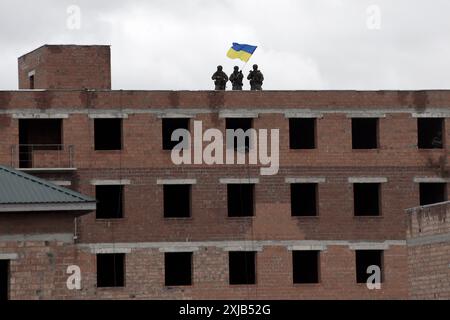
(220, 78)
(256, 78)
(236, 78)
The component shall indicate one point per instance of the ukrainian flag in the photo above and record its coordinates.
(241, 51)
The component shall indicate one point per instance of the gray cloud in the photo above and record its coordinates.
(321, 44)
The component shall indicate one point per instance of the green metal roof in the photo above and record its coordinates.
(18, 188)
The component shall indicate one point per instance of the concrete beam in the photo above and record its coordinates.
(108, 115)
(176, 181)
(431, 180)
(60, 237)
(237, 114)
(367, 179)
(100, 182)
(40, 115)
(365, 114)
(239, 181)
(315, 247)
(175, 115)
(302, 114)
(9, 256)
(305, 180)
(178, 249)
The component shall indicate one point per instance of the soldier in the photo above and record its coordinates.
(236, 79)
(256, 78)
(220, 79)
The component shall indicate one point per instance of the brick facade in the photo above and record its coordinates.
(143, 234)
(428, 236)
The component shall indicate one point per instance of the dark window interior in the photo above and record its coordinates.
(240, 123)
(31, 78)
(366, 199)
(109, 201)
(305, 266)
(365, 133)
(38, 134)
(4, 279)
(364, 259)
(178, 268)
(304, 199)
(111, 270)
(169, 125)
(430, 133)
(240, 200)
(177, 201)
(108, 134)
(302, 133)
(242, 267)
(432, 193)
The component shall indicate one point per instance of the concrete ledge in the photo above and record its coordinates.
(369, 246)
(239, 245)
(250, 247)
(365, 115)
(9, 256)
(239, 181)
(108, 115)
(61, 237)
(305, 180)
(175, 115)
(99, 182)
(301, 114)
(311, 247)
(178, 249)
(430, 114)
(176, 181)
(110, 250)
(431, 180)
(367, 179)
(237, 114)
(40, 115)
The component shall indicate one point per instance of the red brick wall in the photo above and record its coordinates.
(428, 236)
(143, 161)
(40, 273)
(67, 67)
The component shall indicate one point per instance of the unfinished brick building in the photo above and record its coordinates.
(351, 162)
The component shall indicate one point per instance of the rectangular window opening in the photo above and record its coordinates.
(110, 270)
(108, 134)
(169, 125)
(432, 193)
(31, 78)
(38, 134)
(366, 198)
(240, 200)
(240, 123)
(4, 280)
(365, 259)
(303, 199)
(430, 133)
(302, 133)
(305, 266)
(177, 201)
(365, 133)
(109, 201)
(178, 268)
(242, 267)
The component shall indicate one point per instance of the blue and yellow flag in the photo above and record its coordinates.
(241, 51)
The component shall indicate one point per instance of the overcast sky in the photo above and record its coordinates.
(302, 44)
